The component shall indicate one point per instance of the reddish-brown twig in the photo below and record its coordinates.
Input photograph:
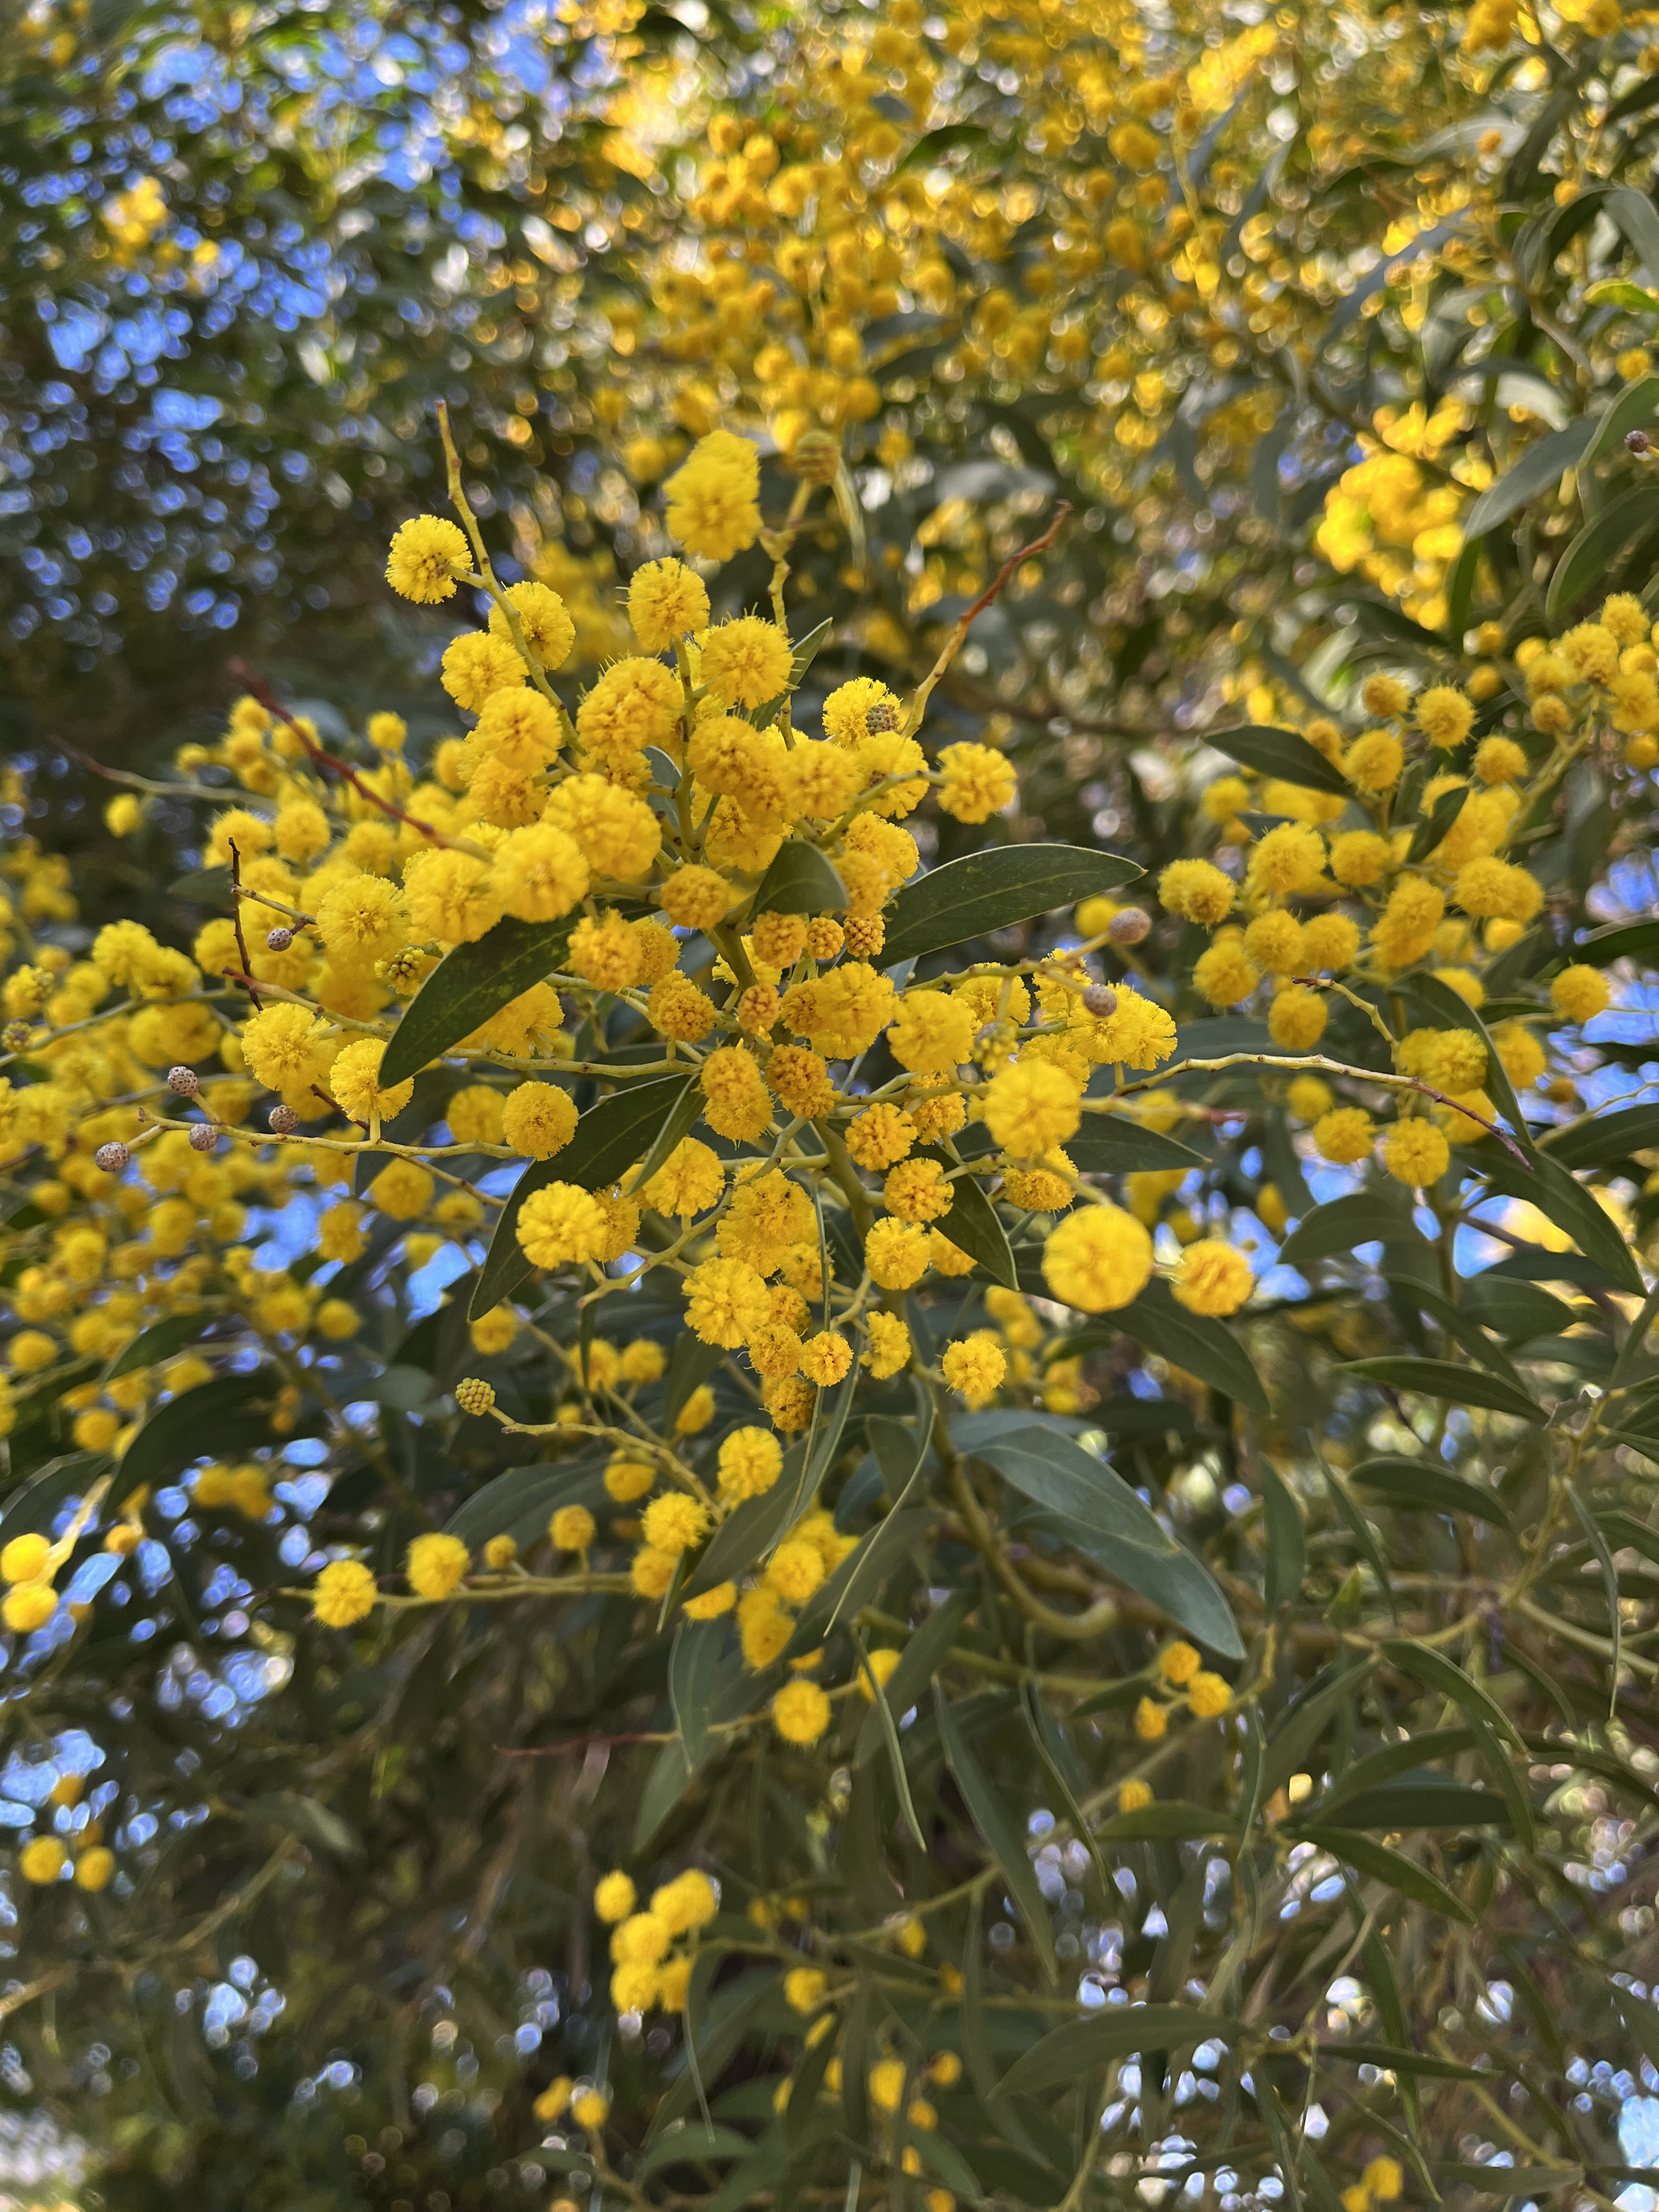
(267, 698)
(245, 979)
(965, 621)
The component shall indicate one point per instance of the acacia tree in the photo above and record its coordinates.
(593, 1221)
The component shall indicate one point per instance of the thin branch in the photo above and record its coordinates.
(965, 621)
(267, 698)
(246, 978)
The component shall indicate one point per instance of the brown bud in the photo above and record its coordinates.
(283, 1120)
(816, 456)
(16, 1036)
(184, 1082)
(1100, 1000)
(278, 939)
(111, 1157)
(1129, 926)
(881, 718)
(865, 935)
(203, 1138)
(1636, 442)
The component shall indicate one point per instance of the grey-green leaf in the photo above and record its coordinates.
(1203, 1346)
(1119, 2032)
(1104, 1518)
(800, 880)
(468, 986)
(994, 890)
(608, 1139)
(973, 1224)
(1441, 1378)
(1283, 755)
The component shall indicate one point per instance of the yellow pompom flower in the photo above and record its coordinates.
(978, 781)
(355, 1081)
(42, 1860)
(800, 1712)
(975, 1366)
(572, 1528)
(343, 1594)
(435, 1565)
(1197, 891)
(674, 1522)
(666, 600)
(1578, 994)
(1344, 1135)
(747, 661)
(1212, 1277)
(1097, 1259)
(1207, 1697)
(24, 1559)
(427, 555)
(1416, 1152)
(1032, 1107)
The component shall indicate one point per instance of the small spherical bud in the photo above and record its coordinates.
(816, 456)
(278, 939)
(881, 718)
(865, 935)
(1638, 441)
(474, 1396)
(111, 1157)
(184, 1082)
(283, 1120)
(203, 1138)
(16, 1036)
(757, 1008)
(824, 937)
(1129, 926)
(1100, 1000)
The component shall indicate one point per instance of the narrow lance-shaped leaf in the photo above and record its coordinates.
(971, 898)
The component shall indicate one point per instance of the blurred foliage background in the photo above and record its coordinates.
(1333, 325)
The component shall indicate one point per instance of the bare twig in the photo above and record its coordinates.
(965, 621)
(246, 978)
(267, 698)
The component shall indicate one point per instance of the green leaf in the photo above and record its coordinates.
(230, 1414)
(468, 986)
(1436, 824)
(521, 1502)
(1624, 940)
(1401, 2062)
(1515, 2183)
(857, 1580)
(1573, 1210)
(1379, 1863)
(204, 886)
(608, 1139)
(752, 1531)
(1598, 1544)
(1634, 215)
(1119, 2032)
(1538, 470)
(1104, 1518)
(690, 1366)
(666, 1783)
(1362, 1217)
(950, 139)
(990, 890)
(1449, 1009)
(1111, 1144)
(1583, 567)
(1286, 1544)
(1515, 1310)
(800, 880)
(1620, 292)
(693, 2142)
(1489, 1724)
(1425, 1798)
(677, 1124)
(693, 1675)
(1603, 1138)
(1165, 1820)
(1441, 1378)
(1282, 754)
(1423, 1486)
(1641, 2021)
(1413, 1755)
(160, 1342)
(32, 1510)
(1202, 1346)
(919, 1661)
(1002, 1833)
(973, 1223)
